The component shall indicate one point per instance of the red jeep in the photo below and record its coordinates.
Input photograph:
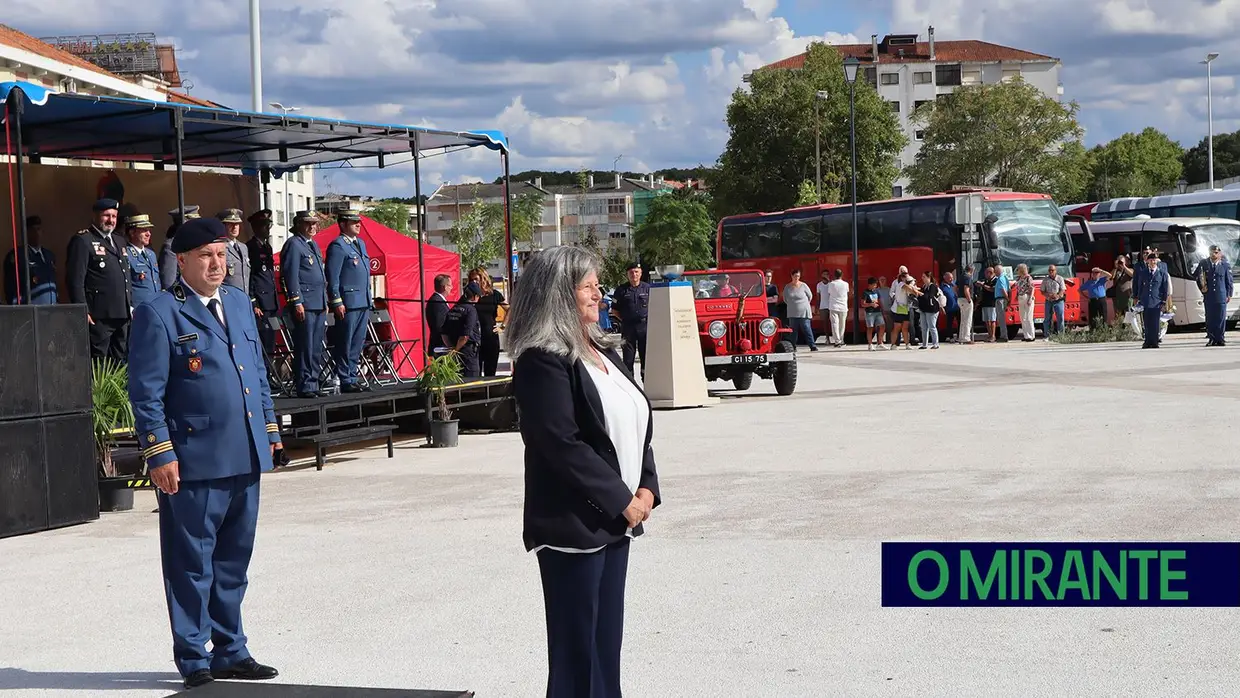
(739, 339)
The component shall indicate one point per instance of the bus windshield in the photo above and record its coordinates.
(1227, 237)
(1031, 231)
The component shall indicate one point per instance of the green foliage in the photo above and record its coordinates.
(1226, 159)
(111, 409)
(440, 372)
(568, 178)
(1005, 134)
(391, 214)
(676, 231)
(1097, 334)
(1135, 164)
(526, 213)
(613, 267)
(770, 150)
(807, 194)
(479, 233)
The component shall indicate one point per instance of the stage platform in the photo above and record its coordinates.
(241, 689)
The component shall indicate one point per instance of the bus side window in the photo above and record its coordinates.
(801, 235)
(734, 235)
(764, 239)
(837, 229)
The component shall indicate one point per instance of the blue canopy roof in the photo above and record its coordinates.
(138, 130)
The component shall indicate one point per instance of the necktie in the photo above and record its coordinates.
(217, 310)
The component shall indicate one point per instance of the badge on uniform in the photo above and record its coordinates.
(102, 264)
(311, 262)
(231, 269)
(141, 276)
(355, 261)
(195, 364)
(187, 338)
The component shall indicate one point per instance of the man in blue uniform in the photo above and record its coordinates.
(238, 255)
(632, 304)
(204, 416)
(168, 258)
(97, 274)
(348, 294)
(263, 279)
(305, 293)
(1151, 287)
(462, 331)
(1214, 277)
(36, 262)
(143, 268)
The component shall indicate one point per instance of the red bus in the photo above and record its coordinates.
(936, 233)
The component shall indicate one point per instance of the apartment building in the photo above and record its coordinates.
(908, 72)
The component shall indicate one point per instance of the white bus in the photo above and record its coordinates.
(1215, 203)
(1183, 243)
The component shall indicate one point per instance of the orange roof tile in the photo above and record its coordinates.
(968, 51)
(182, 98)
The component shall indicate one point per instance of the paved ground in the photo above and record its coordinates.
(759, 575)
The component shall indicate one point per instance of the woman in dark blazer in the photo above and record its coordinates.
(590, 479)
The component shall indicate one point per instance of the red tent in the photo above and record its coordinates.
(394, 258)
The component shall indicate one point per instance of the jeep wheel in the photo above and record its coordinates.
(742, 381)
(785, 373)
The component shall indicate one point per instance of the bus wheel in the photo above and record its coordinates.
(785, 373)
(742, 381)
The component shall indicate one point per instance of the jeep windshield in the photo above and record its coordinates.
(726, 284)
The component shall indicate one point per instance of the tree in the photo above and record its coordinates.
(807, 193)
(526, 213)
(393, 215)
(1226, 159)
(479, 233)
(613, 267)
(770, 148)
(677, 230)
(1006, 134)
(1135, 164)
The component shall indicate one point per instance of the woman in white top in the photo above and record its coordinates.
(590, 479)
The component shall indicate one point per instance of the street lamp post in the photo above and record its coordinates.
(819, 96)
(851, 64)
(1210, 116)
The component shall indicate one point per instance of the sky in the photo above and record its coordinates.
(639, 85)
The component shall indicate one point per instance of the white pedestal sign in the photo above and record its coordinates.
(675, 375)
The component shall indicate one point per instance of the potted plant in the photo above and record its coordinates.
(440, 372)
(111, 413)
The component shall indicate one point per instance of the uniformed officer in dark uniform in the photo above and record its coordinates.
(632, 304)
(143, 268)
(263, 278)
(97, 274)
(305, 292)
(1151, 287)
(1214, 276)
(204, 417)
(348, 295)
(168, 258)
(35, 261)
(463, 332)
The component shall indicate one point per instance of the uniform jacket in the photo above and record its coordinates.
(462, 321)
(169, 272)
(574, 495)
(262, 274)
(97, 274)
(436, 314)
(632, 303)
(348, 274)
(301, 268)
(1150, 290)
(199, 392)
(1218, 280)
(143, 274)
(238, 271)
(40, 265)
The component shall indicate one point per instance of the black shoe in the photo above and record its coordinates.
(201, 677)
(303, 394)
(352, 388)
(246, 670)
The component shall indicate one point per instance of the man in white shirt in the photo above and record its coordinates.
(824, 313)
(836, 300)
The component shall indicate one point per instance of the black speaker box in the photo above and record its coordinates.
(23, 477)
(47, 474)
(64, 358)
(19, 372)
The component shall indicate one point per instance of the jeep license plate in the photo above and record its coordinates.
(749, 359)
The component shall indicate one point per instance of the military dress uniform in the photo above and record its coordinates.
(632, 304)
(237, 272)
(462, 321)
(348, 285)
(305, 285)
(97, 274)
(143, 267)
(37, 263)
(263, 282)
(201, 399)
(1150, 291)
(169, 272)
(1218, 289)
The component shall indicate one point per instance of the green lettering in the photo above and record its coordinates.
(944, 575)
(1143, 575)
(970, 577)
(1038, 577)
(1014, 586)
(1120, 584)
(1073, 563)
(1166, 574)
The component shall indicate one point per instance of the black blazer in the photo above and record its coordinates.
(436, 313)
(574, 496)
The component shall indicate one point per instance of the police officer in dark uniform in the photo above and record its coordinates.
(167, 258)
(97, 274)
(463, 331)
(305, 291)
(35, 261)
(143, 268)
(263, 278)
(207, 426)
(632, 304)
(348, 295)
(1214, 277)
(1151, 287)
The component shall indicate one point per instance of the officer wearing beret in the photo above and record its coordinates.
(632, 303)
(1214, 279)
(36, 262)
(97, 274)
(462, 331)
(238, 256)
(168, 258)
(348, 295)
(204, 416)
(143, 267)
(263, 278)
(305, 294)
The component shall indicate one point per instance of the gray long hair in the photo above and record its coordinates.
(543, 313)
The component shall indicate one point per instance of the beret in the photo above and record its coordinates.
(197, 232)
(105, 205)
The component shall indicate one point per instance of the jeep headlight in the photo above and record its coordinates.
(717, 329)
(767, 327)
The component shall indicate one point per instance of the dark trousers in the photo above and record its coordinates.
(206, 537)
(634, 345)
(109, 339)
(1150, 318)
(348, 338)
(470, 366)
(267, 336)
(1216, 320)
(1097, 311)
(488, 354)
(308, 337)
(583, 594)
(802, 331)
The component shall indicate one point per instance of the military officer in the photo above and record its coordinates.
(36, 262)
(348, 295)
(238, 256)
(97, 274)
(1214, 277)
(263, 278)
(143, 268)
(305, 293)
(204, 416)
(167, 258)
(1151, 287)
(462, 331)
(632, 304)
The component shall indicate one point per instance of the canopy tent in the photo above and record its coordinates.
(404, 269)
